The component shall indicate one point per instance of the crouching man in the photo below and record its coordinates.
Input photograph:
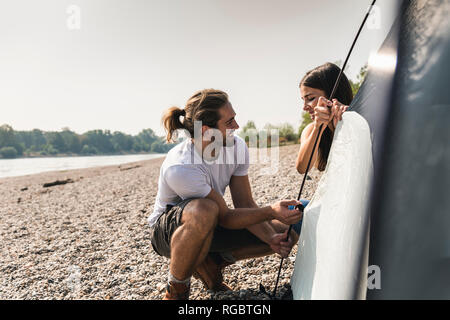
(191, 223)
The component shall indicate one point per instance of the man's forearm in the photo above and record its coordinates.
(263, 230)
(242, 218)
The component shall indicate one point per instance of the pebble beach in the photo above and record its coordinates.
(88, 238)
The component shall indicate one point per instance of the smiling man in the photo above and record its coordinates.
(191, 223)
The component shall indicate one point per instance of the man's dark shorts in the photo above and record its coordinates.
(224, 240)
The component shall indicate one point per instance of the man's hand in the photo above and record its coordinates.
(279, 245)
(282, 213)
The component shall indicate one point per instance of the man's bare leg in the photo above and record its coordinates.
(253, 251)
(281, 227)
(190, 242)
(204, 249)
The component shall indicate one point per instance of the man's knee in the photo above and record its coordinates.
(203, 214)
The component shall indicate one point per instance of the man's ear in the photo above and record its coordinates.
(210, 134)
(204, 129)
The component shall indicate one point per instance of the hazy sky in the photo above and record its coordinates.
(131, 59)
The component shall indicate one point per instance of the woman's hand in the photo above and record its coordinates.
(323, 112)
(328, 111)
(337, 110)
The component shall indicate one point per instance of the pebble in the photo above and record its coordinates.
(162, 287)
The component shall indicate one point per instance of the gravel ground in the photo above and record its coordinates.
(89, 239)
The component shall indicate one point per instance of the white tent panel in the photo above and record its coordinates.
(331, 262)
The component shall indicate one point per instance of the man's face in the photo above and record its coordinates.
(227, 123)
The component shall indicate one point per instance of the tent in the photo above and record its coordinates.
(389, 166)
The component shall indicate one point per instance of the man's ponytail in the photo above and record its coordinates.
(171, 121)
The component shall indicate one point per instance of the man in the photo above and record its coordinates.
(191, 222)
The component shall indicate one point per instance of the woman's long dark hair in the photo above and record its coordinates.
(323, 78)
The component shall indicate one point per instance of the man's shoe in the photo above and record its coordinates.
(177, 291)
(210, 273)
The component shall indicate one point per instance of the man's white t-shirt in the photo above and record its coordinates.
(184, 174)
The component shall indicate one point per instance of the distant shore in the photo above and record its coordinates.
(64, 155)
(89, 238)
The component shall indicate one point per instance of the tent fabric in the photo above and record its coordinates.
(410, 225)
(334, 230)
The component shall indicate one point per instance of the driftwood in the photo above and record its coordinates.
(128, 168)
(57, 182)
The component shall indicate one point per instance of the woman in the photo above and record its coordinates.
(315, 89)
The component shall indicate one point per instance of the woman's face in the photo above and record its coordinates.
(310, 97)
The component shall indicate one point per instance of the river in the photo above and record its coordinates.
(24, 166)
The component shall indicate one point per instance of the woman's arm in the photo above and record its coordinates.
(307, 139)
(322, 117)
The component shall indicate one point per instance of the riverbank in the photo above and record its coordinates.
(28, 166)
(76, 155)
(89, 238)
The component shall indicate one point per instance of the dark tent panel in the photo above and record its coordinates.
(410, 209)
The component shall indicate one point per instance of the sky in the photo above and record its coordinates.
(117, 65)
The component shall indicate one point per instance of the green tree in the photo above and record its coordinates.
(8, 139)
(122, 142)
(25, 138)
(249, 125)
(56, 140)
(306, 119)
(50, 149)
(359, 79)
(38, 139)
(89, 150)
(156, 147)
(247, 130)
(100, 140)
(8, 152)
(71, 140)
(145, 138)
(159, 146)
(287, 132)
(137, 146)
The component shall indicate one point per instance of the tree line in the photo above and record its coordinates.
(66, 142)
